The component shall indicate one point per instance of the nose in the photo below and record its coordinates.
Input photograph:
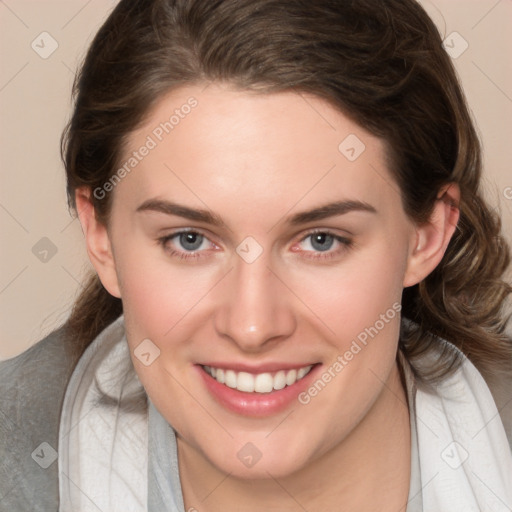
(254, 307)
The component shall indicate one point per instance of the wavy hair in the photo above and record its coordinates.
(380, 63)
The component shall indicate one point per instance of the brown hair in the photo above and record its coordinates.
(381, 63)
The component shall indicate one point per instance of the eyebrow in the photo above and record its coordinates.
(330, 210)
(208, 217)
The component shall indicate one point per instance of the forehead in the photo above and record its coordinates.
(217, 147)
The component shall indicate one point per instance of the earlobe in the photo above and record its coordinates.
(97, 241)
(432, 238)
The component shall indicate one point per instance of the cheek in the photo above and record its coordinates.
(353, 295)
(360, 304)
(157, 293)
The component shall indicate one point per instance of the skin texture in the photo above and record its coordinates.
(254, 160)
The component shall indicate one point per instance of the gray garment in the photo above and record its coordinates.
(415, 499)
(164, 488)
(32, 387)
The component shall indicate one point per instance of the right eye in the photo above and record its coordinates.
(185, 244)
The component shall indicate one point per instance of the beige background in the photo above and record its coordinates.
(35, 295)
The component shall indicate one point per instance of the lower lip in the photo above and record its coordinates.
(256, 404)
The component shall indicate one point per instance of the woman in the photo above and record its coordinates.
(298, 298)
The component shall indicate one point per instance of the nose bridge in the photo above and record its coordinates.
(255, 306)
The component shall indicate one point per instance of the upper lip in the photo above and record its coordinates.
(255, 369)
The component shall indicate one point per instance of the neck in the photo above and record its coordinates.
(368, 470)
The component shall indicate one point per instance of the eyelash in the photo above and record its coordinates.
(346, 244)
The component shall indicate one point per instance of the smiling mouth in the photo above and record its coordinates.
(257, 383)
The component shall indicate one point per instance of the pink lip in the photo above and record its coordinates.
(255, 404)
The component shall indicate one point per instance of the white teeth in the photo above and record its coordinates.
(260, 383)
(280, 379)
(220, 376)
(291, 377)
(300, 373)
(245, 382)
(230, 378)
(263, 383)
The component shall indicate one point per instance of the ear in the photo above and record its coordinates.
(98, 242)
(432, 238)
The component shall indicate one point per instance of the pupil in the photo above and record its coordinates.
(322, 241)
(191, 241)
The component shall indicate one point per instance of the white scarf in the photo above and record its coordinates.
(103, 451)
(464, 459)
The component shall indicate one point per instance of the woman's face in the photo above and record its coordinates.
(263, 237)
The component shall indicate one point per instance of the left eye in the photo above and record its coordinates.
(323, 241)
(323, 245)
(320, 241)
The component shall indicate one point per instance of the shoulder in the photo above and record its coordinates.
(32, 387)
(500, 386)
(491, 394)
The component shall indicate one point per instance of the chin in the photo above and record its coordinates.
(249, 460)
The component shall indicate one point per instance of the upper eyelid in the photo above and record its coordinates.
(329, 231)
